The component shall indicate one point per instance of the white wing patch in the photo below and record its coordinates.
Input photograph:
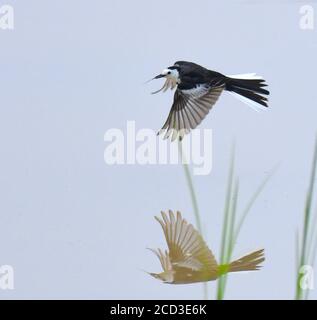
(197, 92)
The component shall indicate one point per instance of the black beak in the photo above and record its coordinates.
(157, 77)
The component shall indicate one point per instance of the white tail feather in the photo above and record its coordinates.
(254, 105)
(246, 76)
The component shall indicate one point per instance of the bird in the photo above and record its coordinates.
(189, 260)
(198, 89)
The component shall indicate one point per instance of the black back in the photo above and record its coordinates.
(192, 74)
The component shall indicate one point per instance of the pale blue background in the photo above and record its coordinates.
(73, 227)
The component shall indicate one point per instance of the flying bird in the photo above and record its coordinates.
(188, 258)
(198, 89)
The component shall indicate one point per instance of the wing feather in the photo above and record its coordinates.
(189, 108)
(187, 249)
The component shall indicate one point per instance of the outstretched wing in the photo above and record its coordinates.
(187, 248)
(189, 108)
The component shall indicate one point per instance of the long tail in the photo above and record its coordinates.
(249, 262)
(249, 89)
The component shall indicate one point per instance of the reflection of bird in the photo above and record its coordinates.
(189, 259)
(198, 89)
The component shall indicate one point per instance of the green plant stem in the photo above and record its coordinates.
(191, 188)
(231, 231)
(225, 226)
(251, 203)
(230, 238)
(193, 200)
(304, 254)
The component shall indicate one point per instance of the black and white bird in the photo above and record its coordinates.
(198, 89)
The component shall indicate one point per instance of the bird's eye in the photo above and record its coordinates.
(169, 72)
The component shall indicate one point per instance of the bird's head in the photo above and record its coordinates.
(169, 73)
